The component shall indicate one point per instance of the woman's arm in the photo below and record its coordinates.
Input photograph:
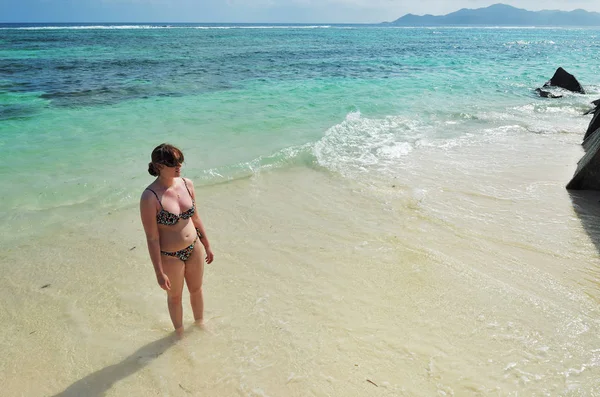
(200, 226)
(148, 214)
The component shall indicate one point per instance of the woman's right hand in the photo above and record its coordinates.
(163, 281)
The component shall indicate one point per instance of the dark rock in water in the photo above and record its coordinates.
(595, 122)
(595, 108)
(546, 94)
(587, 175)
(593, 126)
(565, 80)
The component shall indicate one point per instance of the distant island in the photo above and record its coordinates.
(502, 15)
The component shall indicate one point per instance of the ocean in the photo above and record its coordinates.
(387, 208)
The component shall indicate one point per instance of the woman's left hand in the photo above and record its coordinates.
(209, 255)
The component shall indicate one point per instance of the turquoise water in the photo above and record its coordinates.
(81, 107)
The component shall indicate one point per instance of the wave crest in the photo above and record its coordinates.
(359, 144)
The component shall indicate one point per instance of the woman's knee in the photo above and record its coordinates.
(196, 290)
(174, 299)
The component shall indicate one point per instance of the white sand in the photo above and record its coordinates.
(460, 279)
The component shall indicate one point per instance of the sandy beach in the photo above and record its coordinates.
(324, 286)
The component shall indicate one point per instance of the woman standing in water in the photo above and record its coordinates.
(173, 229)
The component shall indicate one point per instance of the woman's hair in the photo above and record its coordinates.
(164, 154)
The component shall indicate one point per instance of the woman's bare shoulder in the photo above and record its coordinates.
(148, 192)
(188, 182)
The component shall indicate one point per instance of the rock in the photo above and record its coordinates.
(565, 80)
(595, 122)
(595, 108)
(546, 94)
(587, 175)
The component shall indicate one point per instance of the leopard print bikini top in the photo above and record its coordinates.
(165, 217)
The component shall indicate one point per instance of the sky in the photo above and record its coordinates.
(254, 11)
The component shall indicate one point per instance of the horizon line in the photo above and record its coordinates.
(164, 22)
(289, 23)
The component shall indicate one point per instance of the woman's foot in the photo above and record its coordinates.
(200, 323)
(179, 332)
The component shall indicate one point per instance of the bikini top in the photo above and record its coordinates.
(165, 217)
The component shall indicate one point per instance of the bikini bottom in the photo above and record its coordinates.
(183, 254)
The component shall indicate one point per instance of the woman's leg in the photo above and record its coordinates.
(174, 268)
(194, 272)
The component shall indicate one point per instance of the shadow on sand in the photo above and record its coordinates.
(586, 204)
(97, 383)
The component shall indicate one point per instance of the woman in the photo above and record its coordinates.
(173, 229)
